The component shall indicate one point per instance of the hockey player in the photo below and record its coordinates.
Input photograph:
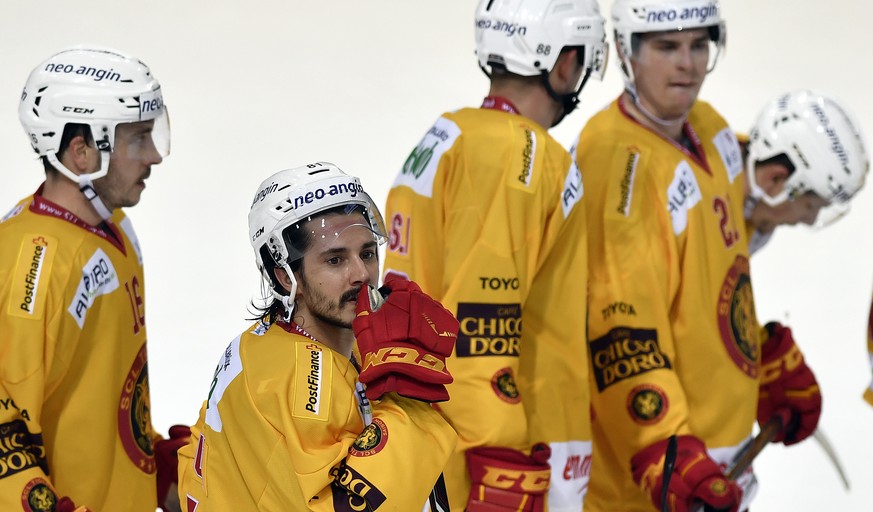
(484, 216)
(808, 155)
(74, 384)
(675, 346)
(287, 424)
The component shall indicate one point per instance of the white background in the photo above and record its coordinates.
(254, 87)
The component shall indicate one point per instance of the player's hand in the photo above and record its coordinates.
(788, 387)
(167, 462)
(696, 477)
(506, 479)
(404, 342)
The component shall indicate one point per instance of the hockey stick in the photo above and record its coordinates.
(828, 448)
(669, 462)
(748, 451)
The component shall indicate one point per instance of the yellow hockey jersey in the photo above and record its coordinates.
(283, 429)
(74, 389)
(484, 216)
(673, 336)
(868, 393)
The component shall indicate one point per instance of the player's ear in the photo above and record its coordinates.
(771, 177)
(283, 279)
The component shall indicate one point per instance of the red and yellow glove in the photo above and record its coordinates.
(505, 479)
(695, 477)
(788, 387)
(65, 504)
(405, 342)
(167, 462)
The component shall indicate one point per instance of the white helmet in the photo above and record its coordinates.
(291, 197)
(631, 17)
(94, 86)
(822, 141)
(526, 37)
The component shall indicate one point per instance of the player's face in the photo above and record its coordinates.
(669, 68)
(334, 269)
(129, 165)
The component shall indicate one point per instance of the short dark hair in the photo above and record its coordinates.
(71, 131)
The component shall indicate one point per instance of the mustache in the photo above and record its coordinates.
(350, 295)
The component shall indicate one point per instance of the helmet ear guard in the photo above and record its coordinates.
(822, 141)
(289, 199)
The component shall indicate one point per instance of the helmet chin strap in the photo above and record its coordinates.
(667, 123)
(85, 181)
(568, 101)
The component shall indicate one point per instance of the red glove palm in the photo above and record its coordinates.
(167, 460)
(695, 477)
(405, 342)
(788, 387)
(506, 480)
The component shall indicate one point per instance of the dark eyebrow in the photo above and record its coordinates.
(342, 250)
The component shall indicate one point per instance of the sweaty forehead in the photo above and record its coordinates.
(677, 35)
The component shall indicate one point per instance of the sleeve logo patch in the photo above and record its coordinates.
(312, 382)
(623, 353)
(420, 168)
(372, 439)
(98, 278)
(229, 366)
(352, 492)
(38, 496)
(488, 330)
(573, 190)
(647, 404)
(728, 148)
(134, 415)
(503, 384)
(27, 297)
(682, 194)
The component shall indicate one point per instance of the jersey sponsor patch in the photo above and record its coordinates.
(625, 352)
(728, 148)
(626, 186)
(420, 168)
(647, 404)
(503, 384)
(98, 278)
(352, 492)
(312, 382)
(21, 450)
(573, 190)
(127, 227)
(372, 439)
(528, 157)
(737, 321)
(682, 194)
(488, 329)
(229, 366)
(38, 496)
(26, 296)
(134, 415)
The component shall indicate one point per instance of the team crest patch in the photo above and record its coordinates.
(503, 384)
(38, 496)
(647, 404)
(134, 415)
(737, 322)
(372, 439)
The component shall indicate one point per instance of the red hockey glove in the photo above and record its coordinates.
(405, 342)
(65, 504)
(695, 477)
(505, 479)
(167, 462)
(788, 387)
